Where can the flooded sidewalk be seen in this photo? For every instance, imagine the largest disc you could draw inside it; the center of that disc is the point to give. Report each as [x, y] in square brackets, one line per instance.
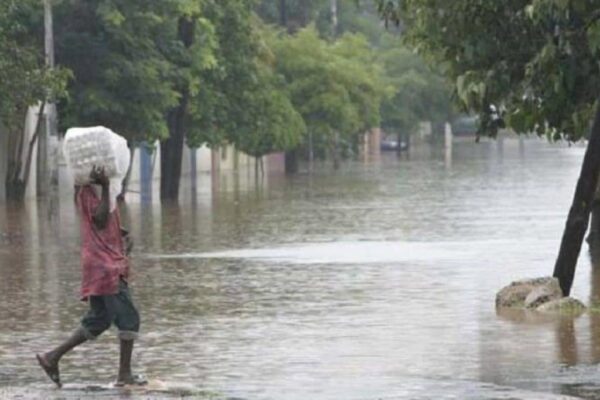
[447, 391]
[373, 282]
[154, 391]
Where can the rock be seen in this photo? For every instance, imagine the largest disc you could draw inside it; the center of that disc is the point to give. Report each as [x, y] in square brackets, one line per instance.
[515, 294]
[562, 305]
[543, 294]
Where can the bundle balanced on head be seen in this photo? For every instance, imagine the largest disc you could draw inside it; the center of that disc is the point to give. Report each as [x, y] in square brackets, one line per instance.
[98, 159]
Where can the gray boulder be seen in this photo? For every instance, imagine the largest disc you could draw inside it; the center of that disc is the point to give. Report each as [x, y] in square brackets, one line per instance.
[516, 294]
[543, 294]
[566, 305]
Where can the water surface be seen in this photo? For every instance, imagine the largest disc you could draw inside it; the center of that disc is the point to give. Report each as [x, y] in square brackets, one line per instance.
[373, 282]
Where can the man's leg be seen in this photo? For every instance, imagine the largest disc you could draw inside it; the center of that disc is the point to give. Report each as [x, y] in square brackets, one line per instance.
[125, 376]
[93, 324]
[49, 361]
[127, 320]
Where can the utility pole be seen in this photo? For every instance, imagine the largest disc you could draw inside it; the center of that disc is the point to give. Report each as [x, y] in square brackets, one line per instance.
[47, 168]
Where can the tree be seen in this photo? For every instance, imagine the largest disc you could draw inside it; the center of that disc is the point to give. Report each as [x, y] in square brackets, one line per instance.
[271, 123]
[529, 64]
[296, 14]
[274, 126]
[24, 82]
[219, 109]
[136, 66]
[414, 91]
[292, 15]
[185, 51]
[534, 61]
[332, 85]
[120, 75]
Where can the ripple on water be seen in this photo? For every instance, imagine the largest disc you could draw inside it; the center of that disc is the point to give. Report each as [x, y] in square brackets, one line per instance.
[374, 282]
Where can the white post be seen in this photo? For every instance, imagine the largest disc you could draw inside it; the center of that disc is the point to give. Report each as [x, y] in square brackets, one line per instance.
[51, 115]
[448, 145]
[334, 18]
[48, 178]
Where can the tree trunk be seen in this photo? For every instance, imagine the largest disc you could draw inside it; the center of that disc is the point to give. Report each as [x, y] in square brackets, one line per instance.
[335, 151]
[283, 13]
[171, 152]
[171, 149]
[578, 219]
[262, 167]
[291, 161]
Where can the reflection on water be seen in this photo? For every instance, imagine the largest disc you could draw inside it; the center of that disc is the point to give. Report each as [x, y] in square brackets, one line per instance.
[376, 281]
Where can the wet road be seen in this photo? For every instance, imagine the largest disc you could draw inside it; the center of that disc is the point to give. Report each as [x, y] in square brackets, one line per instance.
[373, 282]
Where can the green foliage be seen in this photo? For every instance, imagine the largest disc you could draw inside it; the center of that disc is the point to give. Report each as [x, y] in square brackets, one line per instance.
[135, 62]
[334, 86]
[24, 82]
[298, 13]
[536, 61]
[273, 124]
[126, 62]
[242, 101]
[218, 109]
[24, 79]
[414, 91]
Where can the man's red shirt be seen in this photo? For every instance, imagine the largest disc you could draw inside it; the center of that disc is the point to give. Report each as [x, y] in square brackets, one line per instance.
[103, 259]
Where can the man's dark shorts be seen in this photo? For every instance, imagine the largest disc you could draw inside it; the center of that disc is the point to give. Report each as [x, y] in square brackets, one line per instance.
[106, 310]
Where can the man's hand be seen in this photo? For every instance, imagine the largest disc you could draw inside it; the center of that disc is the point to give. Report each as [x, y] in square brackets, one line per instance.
[98, 176]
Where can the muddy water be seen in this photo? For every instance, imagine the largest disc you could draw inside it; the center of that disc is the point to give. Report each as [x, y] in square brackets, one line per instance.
[374, 282]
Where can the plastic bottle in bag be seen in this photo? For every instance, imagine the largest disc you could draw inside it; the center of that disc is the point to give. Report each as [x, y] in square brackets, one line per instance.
[97, 146]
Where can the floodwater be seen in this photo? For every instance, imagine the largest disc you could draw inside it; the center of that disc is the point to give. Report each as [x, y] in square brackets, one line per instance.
[373, 282]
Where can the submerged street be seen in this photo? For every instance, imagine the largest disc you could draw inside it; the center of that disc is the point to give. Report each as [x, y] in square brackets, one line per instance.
[373, 282]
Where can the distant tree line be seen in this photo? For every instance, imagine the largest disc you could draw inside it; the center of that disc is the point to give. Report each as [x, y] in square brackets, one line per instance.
[265, 76]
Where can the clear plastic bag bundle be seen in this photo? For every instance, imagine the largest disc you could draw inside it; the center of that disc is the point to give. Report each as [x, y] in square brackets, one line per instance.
[97, 146]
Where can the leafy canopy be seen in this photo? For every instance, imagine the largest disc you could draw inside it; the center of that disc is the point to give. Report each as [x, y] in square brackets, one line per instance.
[535, 61]
[24, 78]
[127, 62]
[335, 86]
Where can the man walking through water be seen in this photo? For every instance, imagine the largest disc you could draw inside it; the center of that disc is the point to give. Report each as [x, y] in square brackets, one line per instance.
[105, 269]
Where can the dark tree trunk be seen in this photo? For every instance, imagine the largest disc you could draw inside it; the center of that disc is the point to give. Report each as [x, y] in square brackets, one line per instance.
[335, 152]
[578, 219]
[400, 139]
[171, 152]
[171, 149]
[291, 161]
[282, 13]
[291, 156]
